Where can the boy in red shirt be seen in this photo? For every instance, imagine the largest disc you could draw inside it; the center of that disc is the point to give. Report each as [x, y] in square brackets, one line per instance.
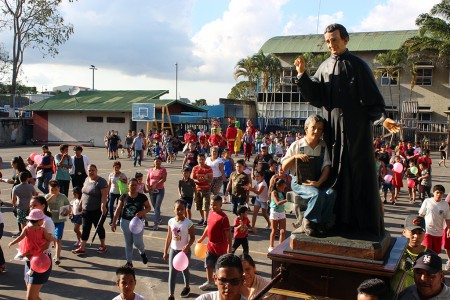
[218, 232]
[202, 175]
[241, 226]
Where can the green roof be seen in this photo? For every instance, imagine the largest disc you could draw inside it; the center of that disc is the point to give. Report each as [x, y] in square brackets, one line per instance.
[99, 101]
[359, 41]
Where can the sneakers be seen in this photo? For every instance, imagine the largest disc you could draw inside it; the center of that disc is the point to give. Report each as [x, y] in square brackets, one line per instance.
[102, 249]
[200, 223]
[447, 266]
[155, 227]
[77, 244]
[270, 249]
[144, 258]
[129, 265]
[207, 286]
[185, 292]
[19, 257]
[79, 251]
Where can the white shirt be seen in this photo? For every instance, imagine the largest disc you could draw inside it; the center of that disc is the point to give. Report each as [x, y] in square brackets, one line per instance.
[50, 227]
[136, 297]
[435, 215]
[215, 166]
[294, 149]
[262, 198]
[180, 233]
[75, 205]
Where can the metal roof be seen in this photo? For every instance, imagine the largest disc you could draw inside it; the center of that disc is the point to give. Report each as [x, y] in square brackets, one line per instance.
[359, 41]
[105, 101]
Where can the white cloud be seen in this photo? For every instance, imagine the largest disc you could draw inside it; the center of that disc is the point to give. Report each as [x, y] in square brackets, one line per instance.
[394, 15]
[298, 25]
[240, 32]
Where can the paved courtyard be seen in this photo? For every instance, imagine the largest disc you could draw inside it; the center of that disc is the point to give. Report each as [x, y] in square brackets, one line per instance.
[92, 276]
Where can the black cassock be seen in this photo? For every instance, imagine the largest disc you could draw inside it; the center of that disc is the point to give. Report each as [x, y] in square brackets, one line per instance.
[345, 88]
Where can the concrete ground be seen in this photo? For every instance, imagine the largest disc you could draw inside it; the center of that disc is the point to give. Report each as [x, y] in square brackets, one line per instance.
[92, 276]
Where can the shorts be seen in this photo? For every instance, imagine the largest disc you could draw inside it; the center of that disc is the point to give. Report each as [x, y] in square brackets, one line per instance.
[277, 215]
[21, 215]
[445, 240]
[113, 148]
[443, 155]
[37, 278]
[388, 186]
[202, 200]
[433, 242]
[211, 260]
[77, 219]
[262, 204]
[59, 230]
[188, 201]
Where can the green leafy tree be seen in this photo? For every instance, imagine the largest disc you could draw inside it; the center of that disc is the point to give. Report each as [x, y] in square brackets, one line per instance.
[389, 64]
[36, 24]
[313, 61]
[246, 67]
[244, 90]
[200, 102]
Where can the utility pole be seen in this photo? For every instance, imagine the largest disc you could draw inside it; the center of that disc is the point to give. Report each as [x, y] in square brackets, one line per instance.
[93, 68]
[176, 81]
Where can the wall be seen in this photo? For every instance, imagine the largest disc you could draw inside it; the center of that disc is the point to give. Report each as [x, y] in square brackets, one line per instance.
[73, 126]
[12, 132]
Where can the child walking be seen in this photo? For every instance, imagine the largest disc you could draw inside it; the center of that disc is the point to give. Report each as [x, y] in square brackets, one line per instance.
[437, 214]
[142, 189]
[411, 181]
[397, 181]
[180, 237]
[126, 281]
[241, 226]
[186, 188]
[424, 180]
[387, 184]
[33, 236]
[262, 195]
[277, 213]
[75, 214]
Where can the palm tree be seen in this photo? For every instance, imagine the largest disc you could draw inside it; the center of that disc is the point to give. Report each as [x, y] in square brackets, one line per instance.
[390, 64]
[434, 33]
[246, 67]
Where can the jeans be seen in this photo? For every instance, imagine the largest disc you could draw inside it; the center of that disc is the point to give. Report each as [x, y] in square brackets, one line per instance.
[64, 187]
[156, 199]
[237, 202]
[130, 239]
[173, 272]
[2, 257]
[320, 202]
[112, 200]
[43, 182]
[136, 154]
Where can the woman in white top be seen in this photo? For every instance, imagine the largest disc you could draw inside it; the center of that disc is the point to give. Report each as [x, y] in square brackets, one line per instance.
[216, 164]
[114, 191]
[36, 280]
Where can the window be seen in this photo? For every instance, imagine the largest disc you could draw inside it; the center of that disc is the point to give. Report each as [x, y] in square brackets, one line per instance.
[424, 74]
[115, 120]
[385, 80]
[425, 116]
[95, 119]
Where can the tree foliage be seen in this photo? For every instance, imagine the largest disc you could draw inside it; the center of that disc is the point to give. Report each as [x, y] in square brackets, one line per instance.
[200, 102]
[34, 24]
[433, 40]
[244, 90]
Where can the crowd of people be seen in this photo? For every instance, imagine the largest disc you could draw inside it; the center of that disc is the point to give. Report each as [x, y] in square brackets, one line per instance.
[212, 173]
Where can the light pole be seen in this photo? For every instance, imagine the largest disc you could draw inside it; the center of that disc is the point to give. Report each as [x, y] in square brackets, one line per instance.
[93, 68]
[176, 81]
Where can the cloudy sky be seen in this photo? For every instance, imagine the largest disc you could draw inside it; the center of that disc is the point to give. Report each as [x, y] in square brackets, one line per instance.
[135, 44]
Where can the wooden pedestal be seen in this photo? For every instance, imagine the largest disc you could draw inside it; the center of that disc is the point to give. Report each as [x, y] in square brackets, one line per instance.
[311, 276]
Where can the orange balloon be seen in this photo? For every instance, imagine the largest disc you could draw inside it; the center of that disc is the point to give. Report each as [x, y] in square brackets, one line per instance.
[200, 250]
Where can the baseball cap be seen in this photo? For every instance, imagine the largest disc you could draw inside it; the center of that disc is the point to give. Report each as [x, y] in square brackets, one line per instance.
[263, 145]
[35, 214]
[428, 261]
[44, 147]
[414, 222]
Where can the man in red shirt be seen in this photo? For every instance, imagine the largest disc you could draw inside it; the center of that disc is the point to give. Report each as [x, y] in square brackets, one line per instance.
[202, 175]
[218, 232]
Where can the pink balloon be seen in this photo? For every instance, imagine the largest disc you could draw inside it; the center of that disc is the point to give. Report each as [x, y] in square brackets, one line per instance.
[33, 155]
[40, 263]
[398, 167]
[180, 261]
[388, 178]
[38, 159]
[411, 183]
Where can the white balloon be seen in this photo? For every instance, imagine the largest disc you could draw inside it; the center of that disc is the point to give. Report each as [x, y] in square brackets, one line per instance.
[136, 225]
